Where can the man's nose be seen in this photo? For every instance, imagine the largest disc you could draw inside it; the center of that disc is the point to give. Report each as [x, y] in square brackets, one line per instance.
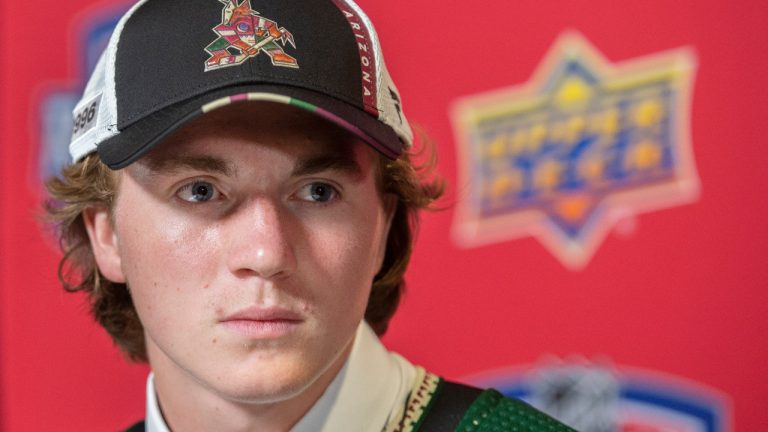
[260, 240]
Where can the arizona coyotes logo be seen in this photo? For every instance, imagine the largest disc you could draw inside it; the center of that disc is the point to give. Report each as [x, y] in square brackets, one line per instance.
[244, 34]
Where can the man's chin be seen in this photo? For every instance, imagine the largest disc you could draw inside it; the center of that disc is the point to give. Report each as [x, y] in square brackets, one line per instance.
[255, 387]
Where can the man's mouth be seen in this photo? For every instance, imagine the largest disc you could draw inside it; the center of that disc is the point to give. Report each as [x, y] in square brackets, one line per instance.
[259, 322]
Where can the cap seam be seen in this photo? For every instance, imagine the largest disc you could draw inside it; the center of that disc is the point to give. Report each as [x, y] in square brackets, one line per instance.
[175, 97]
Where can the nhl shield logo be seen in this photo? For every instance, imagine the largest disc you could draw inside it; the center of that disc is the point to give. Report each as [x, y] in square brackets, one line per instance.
[243, 34]
[584, 145]
[603, 397]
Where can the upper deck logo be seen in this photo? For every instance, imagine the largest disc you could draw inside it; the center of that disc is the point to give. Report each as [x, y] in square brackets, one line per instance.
[585, 144]
[243, 34]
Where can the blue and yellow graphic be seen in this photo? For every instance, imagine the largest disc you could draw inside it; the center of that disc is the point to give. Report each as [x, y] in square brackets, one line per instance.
[584, 145]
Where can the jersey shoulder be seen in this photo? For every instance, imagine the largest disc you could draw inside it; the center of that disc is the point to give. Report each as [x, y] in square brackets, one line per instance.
[493, 412]
[438, 405]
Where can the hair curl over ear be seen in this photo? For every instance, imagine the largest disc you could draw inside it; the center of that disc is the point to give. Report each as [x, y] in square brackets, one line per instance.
[86, 184]
[415, 188]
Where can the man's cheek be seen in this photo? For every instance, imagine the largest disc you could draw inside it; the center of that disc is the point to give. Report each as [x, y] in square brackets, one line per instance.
[166, 239]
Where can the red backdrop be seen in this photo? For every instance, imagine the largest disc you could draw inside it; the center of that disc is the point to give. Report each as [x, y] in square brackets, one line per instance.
[683, 294]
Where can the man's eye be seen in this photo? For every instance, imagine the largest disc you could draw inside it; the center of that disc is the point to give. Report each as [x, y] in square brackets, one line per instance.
[318, 192]
[199, 191]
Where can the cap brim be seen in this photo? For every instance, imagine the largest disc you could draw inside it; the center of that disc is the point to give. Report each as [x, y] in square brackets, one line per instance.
[136, 139]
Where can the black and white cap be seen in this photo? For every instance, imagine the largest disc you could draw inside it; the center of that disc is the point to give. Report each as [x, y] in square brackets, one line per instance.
[169, 61]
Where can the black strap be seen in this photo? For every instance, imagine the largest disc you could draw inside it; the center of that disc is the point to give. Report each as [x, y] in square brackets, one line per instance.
[452, 400]
[138, 427]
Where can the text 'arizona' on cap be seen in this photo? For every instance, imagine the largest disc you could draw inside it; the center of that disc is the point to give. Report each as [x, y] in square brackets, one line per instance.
[169, 61]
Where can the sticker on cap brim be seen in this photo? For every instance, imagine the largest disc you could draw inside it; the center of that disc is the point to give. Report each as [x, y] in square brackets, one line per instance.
[86, 117]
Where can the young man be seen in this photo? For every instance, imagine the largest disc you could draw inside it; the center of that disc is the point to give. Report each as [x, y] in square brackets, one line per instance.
[239, 208]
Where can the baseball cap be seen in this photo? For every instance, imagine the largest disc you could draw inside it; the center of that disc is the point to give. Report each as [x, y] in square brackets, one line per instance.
[169, 61]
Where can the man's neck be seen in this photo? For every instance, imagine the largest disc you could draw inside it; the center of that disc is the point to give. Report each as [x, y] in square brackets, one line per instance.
[187, 405]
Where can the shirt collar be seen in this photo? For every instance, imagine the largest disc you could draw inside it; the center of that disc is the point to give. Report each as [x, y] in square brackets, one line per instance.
[371, 387]
[154, 421]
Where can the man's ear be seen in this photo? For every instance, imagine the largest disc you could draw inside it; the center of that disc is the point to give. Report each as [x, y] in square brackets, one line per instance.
[104, 243]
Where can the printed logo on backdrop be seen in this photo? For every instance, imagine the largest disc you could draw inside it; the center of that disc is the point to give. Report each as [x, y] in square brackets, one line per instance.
[583, 146]
[592, 397]
[59, 98]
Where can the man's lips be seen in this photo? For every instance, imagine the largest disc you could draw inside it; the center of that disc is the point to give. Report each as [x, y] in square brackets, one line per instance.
[262, 322]
[260, 313]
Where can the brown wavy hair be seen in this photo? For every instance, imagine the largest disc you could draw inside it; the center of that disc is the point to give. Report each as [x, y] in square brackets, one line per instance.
[90, 183]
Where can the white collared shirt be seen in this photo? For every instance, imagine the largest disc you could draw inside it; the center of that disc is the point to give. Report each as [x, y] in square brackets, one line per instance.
[369, 391]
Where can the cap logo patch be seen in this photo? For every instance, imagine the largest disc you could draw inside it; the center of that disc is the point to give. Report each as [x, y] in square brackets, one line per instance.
[243, 34]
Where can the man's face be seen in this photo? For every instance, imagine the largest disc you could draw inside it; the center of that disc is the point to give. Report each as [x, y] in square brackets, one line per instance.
[249, 241]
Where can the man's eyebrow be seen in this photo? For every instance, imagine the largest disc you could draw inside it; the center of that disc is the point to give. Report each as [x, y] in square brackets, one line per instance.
[194, 162]
[344, 163]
